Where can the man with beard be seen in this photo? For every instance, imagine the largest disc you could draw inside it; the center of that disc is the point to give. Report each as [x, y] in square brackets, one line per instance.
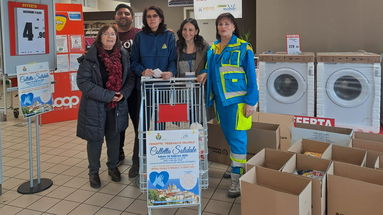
[124, 19]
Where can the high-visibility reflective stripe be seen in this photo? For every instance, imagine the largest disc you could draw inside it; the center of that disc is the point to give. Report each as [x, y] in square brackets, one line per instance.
[237, 160]
[227, 70]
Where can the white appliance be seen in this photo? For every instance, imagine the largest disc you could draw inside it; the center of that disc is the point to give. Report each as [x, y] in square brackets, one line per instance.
[348, 89]
[286, 84]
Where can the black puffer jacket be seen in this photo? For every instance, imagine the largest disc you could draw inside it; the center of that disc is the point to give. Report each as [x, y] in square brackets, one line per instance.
[92, 112]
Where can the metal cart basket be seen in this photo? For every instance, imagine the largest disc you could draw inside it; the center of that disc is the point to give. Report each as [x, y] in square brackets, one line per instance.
[176, 92]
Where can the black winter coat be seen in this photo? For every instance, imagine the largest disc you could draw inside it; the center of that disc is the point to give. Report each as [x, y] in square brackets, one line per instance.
[92, 112]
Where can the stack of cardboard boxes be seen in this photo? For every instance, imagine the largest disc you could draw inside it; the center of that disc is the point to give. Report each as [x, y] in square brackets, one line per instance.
[352, 164]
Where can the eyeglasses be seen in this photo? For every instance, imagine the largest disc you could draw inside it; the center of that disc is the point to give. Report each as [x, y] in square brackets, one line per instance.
[109, 34]
[123, 13]
[152, 16]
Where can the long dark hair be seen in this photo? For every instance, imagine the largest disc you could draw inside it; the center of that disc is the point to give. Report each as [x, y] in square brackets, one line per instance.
[232, 19]
[161, 27]
[198, 39]
[102, 30]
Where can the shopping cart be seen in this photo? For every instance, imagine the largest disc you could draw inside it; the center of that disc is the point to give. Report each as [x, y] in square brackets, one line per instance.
[169, 105]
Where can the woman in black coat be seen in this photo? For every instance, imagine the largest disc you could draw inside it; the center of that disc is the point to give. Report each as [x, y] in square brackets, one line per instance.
[105, 80]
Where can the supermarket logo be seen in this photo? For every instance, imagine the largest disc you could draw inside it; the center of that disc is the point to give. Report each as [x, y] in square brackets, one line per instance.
[66, 101]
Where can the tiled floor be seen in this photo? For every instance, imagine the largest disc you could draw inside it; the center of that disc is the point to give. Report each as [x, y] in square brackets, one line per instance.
[64, 160]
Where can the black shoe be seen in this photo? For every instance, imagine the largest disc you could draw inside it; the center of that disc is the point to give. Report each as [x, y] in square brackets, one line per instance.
[94, 181]
[133, 171]
[227, 174]
[115, 174]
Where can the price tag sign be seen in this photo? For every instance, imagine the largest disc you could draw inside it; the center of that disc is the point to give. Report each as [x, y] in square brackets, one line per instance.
[30, 31]
[28, 28]
[293, 44]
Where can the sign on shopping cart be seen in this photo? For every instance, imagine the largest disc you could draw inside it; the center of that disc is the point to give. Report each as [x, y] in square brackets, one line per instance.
[173, 168]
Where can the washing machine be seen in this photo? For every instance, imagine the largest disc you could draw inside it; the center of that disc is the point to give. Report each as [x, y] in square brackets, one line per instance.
[348, 89]
[286, 83]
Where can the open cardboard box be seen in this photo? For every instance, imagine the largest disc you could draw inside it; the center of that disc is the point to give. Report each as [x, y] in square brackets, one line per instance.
[305, 145]
[348, 155]
[354, 190]
[373, 143]
[260, 136]
[269, 158]
[302, 162]
[271, 192]
[286, 122]
[334, 135]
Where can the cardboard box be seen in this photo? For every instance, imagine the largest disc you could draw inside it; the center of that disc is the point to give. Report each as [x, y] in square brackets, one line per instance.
[266, 191]
[285, 122]
[269, 158]
[260, 136]
[348, 155]
[302, 162]
[373, 143]
[306, 145]
[379, 163]
[354, 190]
[334, 135]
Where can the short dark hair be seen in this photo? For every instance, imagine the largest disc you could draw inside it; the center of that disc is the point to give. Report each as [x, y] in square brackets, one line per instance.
[124, 6]
[198, 39]
[161, 27]
[102, 30]
[232, 19]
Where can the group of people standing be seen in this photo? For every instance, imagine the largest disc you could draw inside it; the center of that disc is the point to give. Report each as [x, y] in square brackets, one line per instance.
[109, 78]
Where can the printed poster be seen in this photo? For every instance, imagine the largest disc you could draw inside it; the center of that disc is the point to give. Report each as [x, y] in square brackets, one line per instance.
[61, 43]
[173, 168]
[211, 9]
[35, 90]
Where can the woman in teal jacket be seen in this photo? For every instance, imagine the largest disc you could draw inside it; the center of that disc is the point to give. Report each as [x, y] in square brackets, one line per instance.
[232, 87]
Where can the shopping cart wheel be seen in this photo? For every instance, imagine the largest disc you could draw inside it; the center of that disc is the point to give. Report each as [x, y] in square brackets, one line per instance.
[16, 113]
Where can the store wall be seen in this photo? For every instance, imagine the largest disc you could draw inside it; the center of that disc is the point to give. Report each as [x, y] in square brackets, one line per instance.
[325, 25]
[175, 15]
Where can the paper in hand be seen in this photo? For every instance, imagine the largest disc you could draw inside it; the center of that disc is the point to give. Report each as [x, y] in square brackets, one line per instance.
[157, 73]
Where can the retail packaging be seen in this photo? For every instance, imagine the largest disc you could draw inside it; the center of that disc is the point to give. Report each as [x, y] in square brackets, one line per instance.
[373, 143]
[354, 190]
[267, 191]
[302, 162]
[305, 145]
[269, 158]
[260, 136]
[334, 135]
[348, 155]
[286, 122]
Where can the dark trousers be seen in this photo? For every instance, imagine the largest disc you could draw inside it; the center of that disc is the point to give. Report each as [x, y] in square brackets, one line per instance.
[112, 138]
[134, 101]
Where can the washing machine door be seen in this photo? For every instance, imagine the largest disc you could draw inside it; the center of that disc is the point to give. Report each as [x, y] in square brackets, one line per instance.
[286, 85]
[347, 88]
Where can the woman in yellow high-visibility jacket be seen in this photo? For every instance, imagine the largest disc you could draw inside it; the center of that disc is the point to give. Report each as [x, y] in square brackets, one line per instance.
[232, 87]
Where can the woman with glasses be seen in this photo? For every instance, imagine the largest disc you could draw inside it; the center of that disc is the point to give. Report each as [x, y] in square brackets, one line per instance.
[105, 80]
[154, 47]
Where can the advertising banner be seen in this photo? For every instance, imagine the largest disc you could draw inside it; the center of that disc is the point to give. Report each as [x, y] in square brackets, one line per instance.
[35, 90]
[70, 45]
[211, 9]
[173, 168]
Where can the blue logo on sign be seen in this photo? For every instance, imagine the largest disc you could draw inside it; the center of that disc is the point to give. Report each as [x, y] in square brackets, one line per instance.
[230, 7]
